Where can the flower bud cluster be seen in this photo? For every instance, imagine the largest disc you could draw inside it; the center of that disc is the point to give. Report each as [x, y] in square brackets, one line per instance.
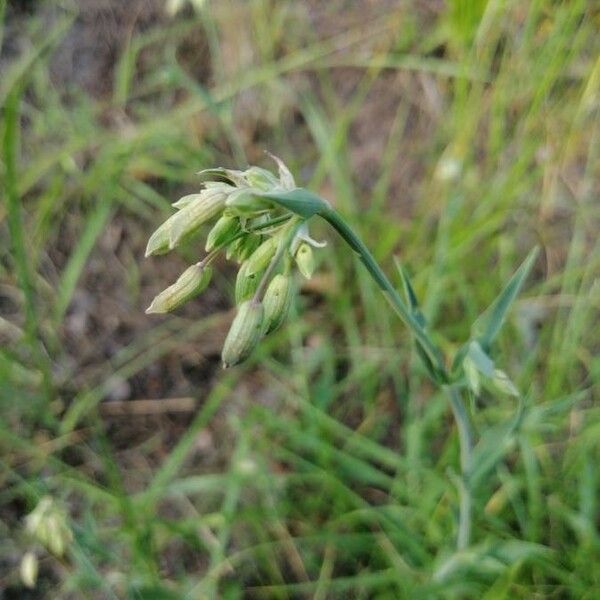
[250, 227]
[48, 525]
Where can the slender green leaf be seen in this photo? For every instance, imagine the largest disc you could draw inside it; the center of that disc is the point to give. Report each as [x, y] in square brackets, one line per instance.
[486, 327]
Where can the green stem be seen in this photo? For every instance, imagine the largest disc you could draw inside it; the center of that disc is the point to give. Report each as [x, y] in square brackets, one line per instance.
[389, 291]
[465, 438]
[433, 361]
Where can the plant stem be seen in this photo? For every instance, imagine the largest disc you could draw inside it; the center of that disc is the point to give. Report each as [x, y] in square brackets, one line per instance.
[465, 438]
[433, 355]
[389, 291]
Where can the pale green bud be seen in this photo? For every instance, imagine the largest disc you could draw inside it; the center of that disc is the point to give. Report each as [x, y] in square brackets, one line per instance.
[187, 221]
[276, 302]
[47, 523]
[225, 228]
[159, 240]
[472, 375]
[262, 256]
[246, 283]
[502, 383]
[244, 247]
[190, 283]
[29, 569]
[305, 260]
[57, 536]
[244, 334]
[186, 200]
[244, 200]
[261, 178]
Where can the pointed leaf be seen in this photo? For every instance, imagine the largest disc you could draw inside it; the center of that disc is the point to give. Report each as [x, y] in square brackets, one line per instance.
[482, 362]
[409, 294]
[486, 327]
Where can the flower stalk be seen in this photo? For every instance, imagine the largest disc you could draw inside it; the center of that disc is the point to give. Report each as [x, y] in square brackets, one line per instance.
[263, 220]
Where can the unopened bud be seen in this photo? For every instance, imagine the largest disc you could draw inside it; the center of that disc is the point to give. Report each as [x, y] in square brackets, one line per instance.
[225, 228]
[187, 221]
[186, 200]
[245, 246]
[29, 569]
[503, 384]
[190, 283]
[159, 240]
[47, 523]
[262, 256]
[305, 260]
[244, 334]
[245, 200]
[246, 283]
[277, 302]
[261, 178]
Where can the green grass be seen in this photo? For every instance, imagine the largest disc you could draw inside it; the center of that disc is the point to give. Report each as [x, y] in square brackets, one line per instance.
[331, 462]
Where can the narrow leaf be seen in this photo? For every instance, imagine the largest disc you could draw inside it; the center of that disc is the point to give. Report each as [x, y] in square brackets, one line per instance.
[486, 327]
[409, 294]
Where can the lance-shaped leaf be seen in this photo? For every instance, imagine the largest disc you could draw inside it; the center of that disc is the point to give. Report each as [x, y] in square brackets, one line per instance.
[486, 327]
[299, 201]
[409, 294]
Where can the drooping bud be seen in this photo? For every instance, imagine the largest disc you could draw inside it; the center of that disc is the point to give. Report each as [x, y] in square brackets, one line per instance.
[244, 334]
[245, 246]
[262, 256]
[159, 240]
[245, 200]
[29, 569]
[502, 383]
[190, 283]
[204, 208]
[225, 228]
[186, 200]
[277, 302]
[261, 178]
[305, 260]
[47, 523]
[246, 283]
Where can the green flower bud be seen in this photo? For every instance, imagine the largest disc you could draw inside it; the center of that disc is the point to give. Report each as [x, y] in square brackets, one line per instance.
[245, 200]
[186, 200]
[187, 221]
[47, 523]
[244, 334]
[502, 383]
[261, 178]
[225, 228]
[262, 256]
[190, 283]
[246, 283]
[159, 240]
[246, 246]
[285, 176]
[305, 260]
[29, 569]
[277, 300]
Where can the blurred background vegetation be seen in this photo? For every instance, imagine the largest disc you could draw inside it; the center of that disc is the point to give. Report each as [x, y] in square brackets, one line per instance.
[455, 135]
